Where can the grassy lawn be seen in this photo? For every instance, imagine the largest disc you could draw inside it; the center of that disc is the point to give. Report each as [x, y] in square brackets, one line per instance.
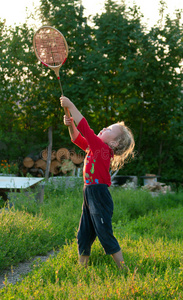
[149, 231]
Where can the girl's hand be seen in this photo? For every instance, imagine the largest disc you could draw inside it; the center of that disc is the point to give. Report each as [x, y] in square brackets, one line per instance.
[65, 102]
[68, 120]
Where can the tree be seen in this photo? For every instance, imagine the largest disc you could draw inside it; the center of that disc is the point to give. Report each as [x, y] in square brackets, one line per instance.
[115, 70]
[20, 118]
[162, 100]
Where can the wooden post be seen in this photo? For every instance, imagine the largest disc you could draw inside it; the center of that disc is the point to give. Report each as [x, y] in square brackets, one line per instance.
[47, 164]
[49, 153]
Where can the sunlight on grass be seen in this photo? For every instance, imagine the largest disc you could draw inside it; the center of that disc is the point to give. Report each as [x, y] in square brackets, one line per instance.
[149, 231]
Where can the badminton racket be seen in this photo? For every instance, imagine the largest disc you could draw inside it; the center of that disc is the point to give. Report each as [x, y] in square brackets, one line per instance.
[51, 49]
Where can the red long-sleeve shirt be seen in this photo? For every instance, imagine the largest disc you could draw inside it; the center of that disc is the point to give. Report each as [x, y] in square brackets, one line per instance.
[98, 155]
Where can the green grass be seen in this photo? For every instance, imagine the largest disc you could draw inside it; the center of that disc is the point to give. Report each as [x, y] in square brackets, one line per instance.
[166, 224]
[148, 229]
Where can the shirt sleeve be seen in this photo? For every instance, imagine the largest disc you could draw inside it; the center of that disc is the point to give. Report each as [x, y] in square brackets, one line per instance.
[81, 142]
[92, 139]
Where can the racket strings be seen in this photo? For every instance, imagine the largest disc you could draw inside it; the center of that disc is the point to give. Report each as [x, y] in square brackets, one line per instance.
[50, 47]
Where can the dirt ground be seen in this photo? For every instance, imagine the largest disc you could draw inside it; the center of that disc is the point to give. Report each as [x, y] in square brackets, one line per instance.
[16, 273]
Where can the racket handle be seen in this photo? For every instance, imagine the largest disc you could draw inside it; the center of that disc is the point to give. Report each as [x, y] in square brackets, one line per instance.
[67, 112]
[71, 129]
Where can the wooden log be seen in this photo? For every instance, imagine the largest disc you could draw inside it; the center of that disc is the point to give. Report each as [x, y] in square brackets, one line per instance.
[44, 154]
[55, 167]
[48, 163]
[62, 154]
[76, 158]
[28, 162]
[40, 163]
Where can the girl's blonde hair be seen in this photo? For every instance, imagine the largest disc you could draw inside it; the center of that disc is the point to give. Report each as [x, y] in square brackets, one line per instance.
[124, 149]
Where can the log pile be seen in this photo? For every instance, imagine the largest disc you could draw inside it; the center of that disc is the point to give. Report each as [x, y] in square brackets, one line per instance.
[63, 161]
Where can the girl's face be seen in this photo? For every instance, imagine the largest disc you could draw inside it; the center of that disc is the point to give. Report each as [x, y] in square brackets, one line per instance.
[109, 135]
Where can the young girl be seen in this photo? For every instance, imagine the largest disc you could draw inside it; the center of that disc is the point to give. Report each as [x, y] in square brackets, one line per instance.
[108, 149]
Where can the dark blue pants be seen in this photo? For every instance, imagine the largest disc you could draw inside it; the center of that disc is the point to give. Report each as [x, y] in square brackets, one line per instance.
[96, 220]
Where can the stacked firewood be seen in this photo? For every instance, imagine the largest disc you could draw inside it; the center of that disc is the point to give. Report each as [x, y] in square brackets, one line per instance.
[63, 162]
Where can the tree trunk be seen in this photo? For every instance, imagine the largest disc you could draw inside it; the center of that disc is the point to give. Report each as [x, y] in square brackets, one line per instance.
[160, 154]
[48, 163]
[49, 152]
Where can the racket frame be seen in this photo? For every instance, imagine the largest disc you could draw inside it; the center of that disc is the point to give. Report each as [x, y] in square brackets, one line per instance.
[54, 68]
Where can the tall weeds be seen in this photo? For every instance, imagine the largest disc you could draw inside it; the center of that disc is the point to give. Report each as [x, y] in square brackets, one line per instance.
[149, 230]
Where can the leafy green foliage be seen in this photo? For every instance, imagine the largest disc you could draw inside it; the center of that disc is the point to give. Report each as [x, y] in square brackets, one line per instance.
[115, 70]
